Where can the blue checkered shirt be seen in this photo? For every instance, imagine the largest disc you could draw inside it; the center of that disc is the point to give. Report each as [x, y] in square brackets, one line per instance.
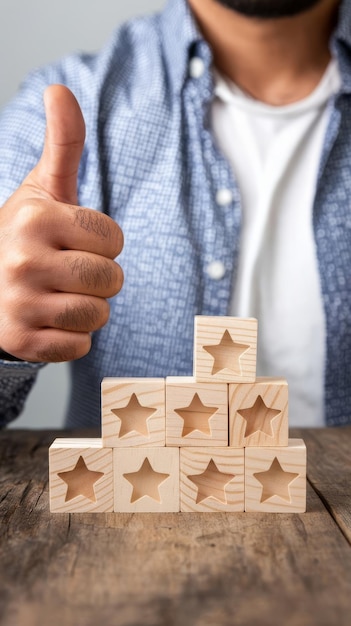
[150, 162]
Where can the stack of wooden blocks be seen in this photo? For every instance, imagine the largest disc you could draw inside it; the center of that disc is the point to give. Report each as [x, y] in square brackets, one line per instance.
[217, 441]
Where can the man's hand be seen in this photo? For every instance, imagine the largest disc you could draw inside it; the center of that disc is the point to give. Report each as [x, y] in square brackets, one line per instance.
[56, 258]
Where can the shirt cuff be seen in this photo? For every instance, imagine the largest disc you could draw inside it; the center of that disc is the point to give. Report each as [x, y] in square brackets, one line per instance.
[16, 381]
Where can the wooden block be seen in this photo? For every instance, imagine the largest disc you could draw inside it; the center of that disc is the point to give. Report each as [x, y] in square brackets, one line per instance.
[196, 413]
[80, 476]
[275, 478]
[133, 412]
[225, 349]
[146, 480]
[211, 479]
[258, 413]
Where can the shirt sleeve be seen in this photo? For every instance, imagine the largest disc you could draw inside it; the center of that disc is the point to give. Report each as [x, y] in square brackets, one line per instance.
[16, 381]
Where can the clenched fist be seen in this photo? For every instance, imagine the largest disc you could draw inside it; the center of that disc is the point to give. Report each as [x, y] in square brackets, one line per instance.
[57, 263]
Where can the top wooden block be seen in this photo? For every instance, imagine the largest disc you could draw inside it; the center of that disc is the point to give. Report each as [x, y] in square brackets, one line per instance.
[225, 349]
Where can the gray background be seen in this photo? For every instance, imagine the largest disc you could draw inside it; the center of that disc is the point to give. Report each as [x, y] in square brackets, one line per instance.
[31, 34]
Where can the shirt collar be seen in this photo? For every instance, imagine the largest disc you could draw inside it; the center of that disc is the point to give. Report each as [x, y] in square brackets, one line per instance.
[181, 40]
[341, 44]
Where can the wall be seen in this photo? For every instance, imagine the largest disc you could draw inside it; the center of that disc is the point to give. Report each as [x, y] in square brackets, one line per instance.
[33, 33]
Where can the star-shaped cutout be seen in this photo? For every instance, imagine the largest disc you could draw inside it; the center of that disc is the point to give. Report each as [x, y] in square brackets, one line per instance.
[196, 416]
[227, 354]
[259, 417]
[134, 417]
[211, 483]
[80, 481]
[275, 481]
[146, 482]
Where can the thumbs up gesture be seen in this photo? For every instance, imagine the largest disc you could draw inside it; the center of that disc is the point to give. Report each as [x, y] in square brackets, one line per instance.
[57, 263]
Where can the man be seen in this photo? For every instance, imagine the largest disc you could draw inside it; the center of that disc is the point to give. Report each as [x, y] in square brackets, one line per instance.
[218, 143]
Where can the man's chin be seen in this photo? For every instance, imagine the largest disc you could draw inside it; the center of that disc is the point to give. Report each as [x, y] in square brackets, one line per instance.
[269, 9]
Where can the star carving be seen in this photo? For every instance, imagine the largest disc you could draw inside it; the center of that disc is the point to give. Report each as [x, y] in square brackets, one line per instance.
[227, 354]
[146, 482]
[134, 417]
[80, 481]
[259, 417]
[275, 481]
[196, 416]
[211, 483]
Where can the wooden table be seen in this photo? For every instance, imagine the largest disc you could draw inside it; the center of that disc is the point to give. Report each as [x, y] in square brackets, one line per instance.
[174, 569]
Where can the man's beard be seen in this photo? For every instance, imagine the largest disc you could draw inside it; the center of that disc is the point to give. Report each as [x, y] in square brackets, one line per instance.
[268, 9]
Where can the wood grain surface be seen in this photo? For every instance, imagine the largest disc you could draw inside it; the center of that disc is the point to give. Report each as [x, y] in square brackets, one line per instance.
[174, 569]
[258, 413]
[133, 412]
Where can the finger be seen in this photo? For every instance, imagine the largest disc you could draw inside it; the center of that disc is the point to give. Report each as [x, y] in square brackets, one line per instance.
[84, 273]
[49, 345]
[70, 312]
[66, 226]
[80, 314]
[57, 346]
[57, 171]
[91, 231]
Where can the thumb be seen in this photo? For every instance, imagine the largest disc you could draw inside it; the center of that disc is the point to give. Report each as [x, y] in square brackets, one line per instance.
[57, 171]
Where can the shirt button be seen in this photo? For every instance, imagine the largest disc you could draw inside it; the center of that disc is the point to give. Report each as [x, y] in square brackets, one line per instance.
[196, 67]
[215, 270]
[224, 197]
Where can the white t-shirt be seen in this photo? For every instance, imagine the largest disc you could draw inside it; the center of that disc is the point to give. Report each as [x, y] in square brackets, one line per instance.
[275, 154]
